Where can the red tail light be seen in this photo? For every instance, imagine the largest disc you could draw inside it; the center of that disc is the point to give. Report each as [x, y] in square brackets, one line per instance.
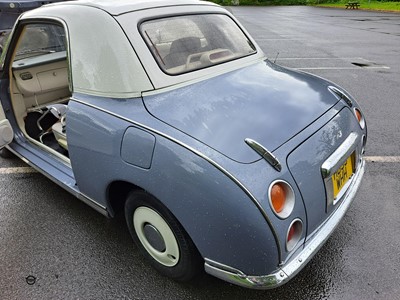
[294, 234]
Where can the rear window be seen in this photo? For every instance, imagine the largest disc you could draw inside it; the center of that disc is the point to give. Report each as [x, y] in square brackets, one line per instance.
[185, 43]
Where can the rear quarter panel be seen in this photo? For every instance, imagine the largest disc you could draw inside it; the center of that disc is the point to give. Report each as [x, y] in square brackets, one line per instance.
[220, 218]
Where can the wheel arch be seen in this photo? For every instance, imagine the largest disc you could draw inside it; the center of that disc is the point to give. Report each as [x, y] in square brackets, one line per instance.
[117, 194]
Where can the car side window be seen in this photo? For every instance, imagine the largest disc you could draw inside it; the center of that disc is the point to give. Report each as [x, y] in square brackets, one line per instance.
[39, 39]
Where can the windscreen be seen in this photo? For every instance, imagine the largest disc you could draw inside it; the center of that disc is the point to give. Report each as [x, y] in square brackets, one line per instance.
[185, 43]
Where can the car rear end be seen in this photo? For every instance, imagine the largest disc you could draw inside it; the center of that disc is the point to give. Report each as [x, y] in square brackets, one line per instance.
[325, 165]
[327, 168]
[309, 126]
[322, 169]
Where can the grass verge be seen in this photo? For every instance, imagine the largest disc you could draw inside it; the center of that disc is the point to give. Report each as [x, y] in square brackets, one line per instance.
[364, 4]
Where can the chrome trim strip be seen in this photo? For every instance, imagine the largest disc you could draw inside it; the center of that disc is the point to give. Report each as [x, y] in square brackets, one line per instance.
[288, 271]
[198, 153]
[88, 201]
[340, 95]
[93, 204]
[339, 156]
[264, 153]
[213, 264]
[62, 158]
[364, 143]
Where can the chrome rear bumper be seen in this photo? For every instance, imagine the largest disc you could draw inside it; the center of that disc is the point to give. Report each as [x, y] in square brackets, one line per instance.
[289, 270]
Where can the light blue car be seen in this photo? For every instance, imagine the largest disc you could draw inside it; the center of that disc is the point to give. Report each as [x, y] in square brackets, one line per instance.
[169, 111]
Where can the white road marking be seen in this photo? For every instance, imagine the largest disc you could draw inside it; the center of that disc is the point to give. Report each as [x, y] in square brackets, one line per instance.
[281, 39]
[393, 159]
[379, 159]
[322, 58]
[343, 68]
[355, 59]
[17, 170]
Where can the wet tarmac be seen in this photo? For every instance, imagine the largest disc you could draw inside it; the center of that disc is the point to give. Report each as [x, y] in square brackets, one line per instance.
[52, 246]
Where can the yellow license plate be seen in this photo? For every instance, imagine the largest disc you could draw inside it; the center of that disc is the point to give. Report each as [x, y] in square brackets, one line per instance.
[342, 175]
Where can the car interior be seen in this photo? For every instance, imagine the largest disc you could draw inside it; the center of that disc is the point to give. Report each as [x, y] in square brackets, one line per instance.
[39, 86]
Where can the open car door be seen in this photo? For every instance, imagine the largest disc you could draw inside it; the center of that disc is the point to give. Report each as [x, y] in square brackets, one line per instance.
[6, 131]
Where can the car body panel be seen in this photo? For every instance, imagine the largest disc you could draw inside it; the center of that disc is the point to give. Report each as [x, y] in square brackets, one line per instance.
[94, 141]
[306, 160]
[258, 185]
[254, 97]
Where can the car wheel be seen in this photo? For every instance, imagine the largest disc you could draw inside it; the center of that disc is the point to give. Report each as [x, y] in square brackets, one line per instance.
[5, 153]
[161, 238]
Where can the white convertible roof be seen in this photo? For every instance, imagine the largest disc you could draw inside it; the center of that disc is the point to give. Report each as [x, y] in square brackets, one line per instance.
[118, 7]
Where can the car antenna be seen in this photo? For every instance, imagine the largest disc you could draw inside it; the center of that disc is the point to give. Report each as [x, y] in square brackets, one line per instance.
[276, 57]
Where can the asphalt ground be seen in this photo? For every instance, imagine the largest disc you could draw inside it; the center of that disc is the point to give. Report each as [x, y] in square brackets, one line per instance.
[52, 246]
